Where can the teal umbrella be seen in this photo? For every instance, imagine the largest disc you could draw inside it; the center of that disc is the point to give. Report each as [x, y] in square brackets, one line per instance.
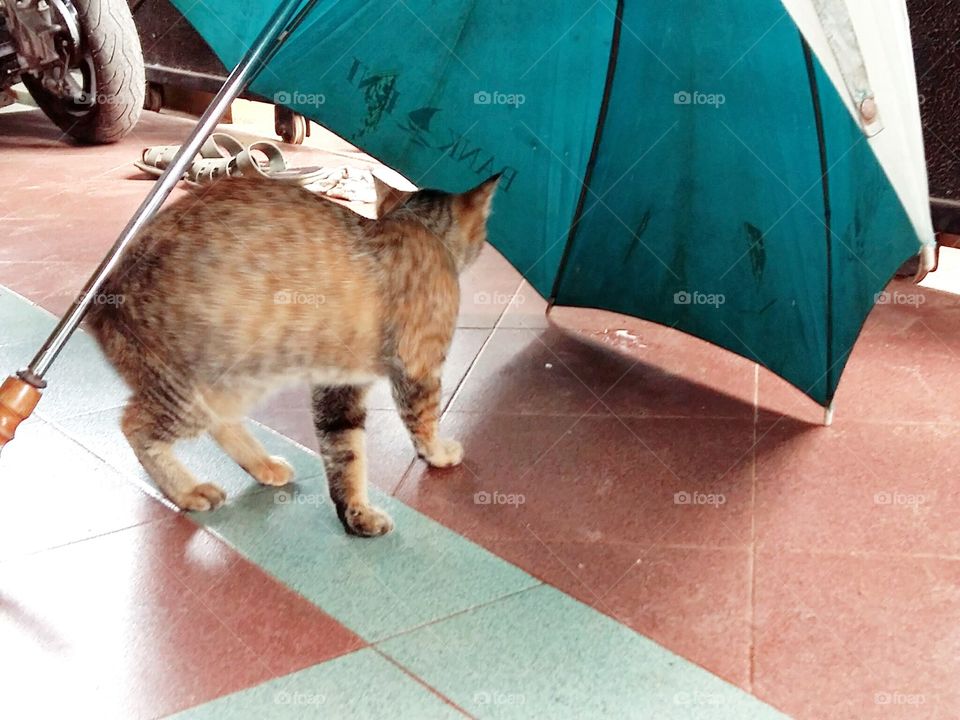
[749, 171]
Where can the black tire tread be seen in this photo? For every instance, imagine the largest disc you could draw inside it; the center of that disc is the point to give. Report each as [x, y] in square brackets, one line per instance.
[111, 36]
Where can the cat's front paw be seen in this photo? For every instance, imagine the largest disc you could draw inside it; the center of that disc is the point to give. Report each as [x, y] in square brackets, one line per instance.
[205, 496]
[272, 470]
[443, 453]
[366, 521]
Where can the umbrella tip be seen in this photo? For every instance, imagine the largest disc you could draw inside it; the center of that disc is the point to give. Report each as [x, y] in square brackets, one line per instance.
[927, 261]
[828, 415]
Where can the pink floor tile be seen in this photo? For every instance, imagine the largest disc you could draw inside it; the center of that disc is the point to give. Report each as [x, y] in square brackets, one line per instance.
[527, 372]
[527, 309]
[839, 636]
[593, 479]
[656, 372]
[146, 621]
[487, 288]
[858, 487]
[53, 492]
[675, 374]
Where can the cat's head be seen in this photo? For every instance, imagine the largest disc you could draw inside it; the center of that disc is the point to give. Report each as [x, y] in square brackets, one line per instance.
[471, 210]
[459, 221]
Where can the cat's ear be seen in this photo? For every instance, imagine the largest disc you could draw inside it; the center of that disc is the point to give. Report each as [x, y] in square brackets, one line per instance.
[480, 198]
[388, 197]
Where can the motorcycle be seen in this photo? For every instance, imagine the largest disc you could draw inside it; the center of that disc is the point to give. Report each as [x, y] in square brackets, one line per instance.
[80, 60]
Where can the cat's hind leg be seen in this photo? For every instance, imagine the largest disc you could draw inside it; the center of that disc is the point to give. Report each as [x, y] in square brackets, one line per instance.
[339, 416]
[226, 409]
[249, 454]
[152, 425]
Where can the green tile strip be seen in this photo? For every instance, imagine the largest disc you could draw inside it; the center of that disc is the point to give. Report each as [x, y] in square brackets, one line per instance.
[418, 574]
[359, 685]
[484, 633]
[543, 654]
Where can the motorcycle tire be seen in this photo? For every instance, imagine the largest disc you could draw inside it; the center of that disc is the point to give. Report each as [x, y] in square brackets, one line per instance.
[115, 60]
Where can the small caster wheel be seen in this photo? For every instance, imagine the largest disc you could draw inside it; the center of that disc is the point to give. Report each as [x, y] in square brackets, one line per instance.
[153, 98]
[292, 127]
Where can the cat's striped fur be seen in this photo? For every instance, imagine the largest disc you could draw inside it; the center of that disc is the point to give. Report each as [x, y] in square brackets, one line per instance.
[250, 284]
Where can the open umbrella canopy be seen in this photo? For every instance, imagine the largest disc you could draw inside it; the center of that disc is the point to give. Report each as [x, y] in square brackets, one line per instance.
[748, 171]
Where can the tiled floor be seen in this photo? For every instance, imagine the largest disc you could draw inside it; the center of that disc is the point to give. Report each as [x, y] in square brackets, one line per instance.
[555, 574]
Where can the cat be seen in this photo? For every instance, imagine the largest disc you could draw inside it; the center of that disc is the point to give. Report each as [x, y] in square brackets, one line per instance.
[249, 284]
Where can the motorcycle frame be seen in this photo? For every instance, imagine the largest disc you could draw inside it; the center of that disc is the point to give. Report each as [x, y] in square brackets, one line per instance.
[32, 29]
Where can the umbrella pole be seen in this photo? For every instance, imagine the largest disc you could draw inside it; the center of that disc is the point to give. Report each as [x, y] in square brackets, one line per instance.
[20, 393]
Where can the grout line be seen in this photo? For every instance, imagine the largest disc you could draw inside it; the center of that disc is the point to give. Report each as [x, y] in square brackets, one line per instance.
[420, 681]
[149, 490]
[422, 626]
[77, 541]
[42, 415]
[403, 478]
[473, 363]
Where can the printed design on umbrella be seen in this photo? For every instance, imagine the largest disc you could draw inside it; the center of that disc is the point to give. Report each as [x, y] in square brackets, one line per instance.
[381, 94]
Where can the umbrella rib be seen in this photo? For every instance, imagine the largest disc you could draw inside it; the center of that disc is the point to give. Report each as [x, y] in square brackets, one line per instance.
[827, 215]
[594, 150]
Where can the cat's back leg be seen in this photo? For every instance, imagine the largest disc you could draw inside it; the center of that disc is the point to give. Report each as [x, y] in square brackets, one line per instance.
[227, 408]
[153, 421]
[339, 416]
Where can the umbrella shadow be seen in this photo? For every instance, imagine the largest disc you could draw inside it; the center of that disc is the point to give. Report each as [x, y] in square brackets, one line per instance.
[626, 467]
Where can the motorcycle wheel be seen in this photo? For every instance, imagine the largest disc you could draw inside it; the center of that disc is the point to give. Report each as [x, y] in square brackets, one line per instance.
[109, 72]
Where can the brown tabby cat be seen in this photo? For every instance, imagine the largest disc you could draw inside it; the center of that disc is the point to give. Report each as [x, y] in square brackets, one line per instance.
[251, 284]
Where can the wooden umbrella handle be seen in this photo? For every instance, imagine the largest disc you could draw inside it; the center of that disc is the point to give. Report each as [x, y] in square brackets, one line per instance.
[18, 398]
